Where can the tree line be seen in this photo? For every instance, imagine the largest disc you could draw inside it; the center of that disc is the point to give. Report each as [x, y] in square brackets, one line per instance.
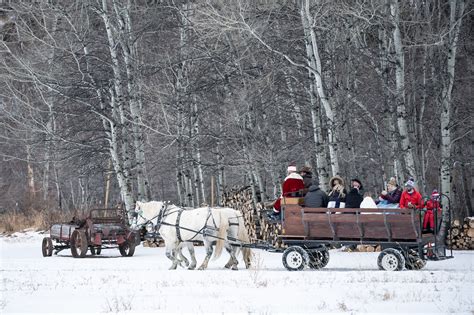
[107, 101]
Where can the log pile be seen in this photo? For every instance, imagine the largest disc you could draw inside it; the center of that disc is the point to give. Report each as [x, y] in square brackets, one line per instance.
[256, 221]
[368, 248]
[461, 234]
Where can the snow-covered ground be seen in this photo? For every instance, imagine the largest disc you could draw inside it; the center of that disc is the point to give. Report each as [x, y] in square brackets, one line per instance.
[351, 283]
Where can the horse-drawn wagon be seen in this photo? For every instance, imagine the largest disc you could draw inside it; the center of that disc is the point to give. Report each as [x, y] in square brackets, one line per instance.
[310, 232]
[102, 229]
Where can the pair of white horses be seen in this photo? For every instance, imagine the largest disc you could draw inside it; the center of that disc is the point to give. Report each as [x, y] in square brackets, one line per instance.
[178, 227]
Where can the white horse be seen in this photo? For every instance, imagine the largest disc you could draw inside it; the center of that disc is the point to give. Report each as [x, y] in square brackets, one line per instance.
[147, 213]
[179, 227]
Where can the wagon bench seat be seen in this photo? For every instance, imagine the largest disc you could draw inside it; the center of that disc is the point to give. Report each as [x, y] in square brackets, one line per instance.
[381, 224]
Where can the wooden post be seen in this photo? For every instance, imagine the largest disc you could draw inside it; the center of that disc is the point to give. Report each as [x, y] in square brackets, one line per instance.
[107, 184]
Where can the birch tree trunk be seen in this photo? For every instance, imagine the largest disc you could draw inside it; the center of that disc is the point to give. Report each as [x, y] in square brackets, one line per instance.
[131, 58]
[315, 60]
[456, 15]
[405, 146]
[123, 163]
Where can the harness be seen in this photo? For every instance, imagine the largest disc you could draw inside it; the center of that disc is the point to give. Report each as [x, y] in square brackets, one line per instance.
[206, 230]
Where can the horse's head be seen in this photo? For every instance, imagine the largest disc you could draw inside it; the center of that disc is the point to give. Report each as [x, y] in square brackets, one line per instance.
[145, 212]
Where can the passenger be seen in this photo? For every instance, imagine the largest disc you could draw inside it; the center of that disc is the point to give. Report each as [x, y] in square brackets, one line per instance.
[432, 204]
[293, 186]
[354, 197]
[410, 197]
[315, 197]
[391, 196]
[368, 202]
[307, 175]
[337, 193]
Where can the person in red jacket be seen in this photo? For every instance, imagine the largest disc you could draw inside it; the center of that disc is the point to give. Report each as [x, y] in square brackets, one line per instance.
[410, 197]
[431, 205]
[293, 186]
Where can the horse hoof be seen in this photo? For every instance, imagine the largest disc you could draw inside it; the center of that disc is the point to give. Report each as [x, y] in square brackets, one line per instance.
[234, 268]
[227, 266]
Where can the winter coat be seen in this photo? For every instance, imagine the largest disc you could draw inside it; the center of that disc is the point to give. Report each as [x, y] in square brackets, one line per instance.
[316, 198]
[368, 203]
[393, 196]
[415, 198]
[293, 185]
[353, 199]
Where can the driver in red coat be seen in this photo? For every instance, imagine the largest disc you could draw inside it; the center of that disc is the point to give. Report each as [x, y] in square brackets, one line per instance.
[293, 185]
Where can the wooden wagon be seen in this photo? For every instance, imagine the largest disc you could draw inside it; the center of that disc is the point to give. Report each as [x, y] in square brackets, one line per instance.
[310, 232]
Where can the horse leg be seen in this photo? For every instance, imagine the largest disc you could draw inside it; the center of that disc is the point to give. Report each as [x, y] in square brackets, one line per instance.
[183, 261]
[171, 254]
[193, 256]
[233, 262]
[209, 250]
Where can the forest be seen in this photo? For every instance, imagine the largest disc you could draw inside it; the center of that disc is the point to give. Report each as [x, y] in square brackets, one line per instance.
[104, 102]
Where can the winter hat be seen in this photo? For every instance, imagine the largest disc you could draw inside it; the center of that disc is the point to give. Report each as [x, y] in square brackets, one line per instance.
[410, 183]
[435, 193]
[357, 181]
[393, 181]
[291, 168]
[305, 169]
[331, 181]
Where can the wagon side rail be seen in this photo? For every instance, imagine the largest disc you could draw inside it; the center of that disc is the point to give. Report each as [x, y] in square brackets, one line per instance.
[382, 224]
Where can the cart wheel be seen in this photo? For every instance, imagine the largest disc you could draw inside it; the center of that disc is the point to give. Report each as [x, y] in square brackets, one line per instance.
[47, 247]
[318, 259]
[391, 259]
[295, 258]
[95, 250]
[127, 248]
[79, 244]
[413, 261]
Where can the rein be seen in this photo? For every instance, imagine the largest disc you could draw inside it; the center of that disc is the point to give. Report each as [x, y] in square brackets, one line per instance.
[162, 214]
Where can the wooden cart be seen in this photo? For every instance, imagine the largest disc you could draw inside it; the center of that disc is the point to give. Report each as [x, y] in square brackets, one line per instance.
[102, 229]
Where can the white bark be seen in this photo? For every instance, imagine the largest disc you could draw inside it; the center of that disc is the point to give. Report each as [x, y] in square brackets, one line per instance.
[130, 57]
[406, 148]
[316, 68]
[456, 14]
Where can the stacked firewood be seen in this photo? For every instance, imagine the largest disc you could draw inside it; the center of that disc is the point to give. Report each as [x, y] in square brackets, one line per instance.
[461, 234]
[256, 221]
[368, 248]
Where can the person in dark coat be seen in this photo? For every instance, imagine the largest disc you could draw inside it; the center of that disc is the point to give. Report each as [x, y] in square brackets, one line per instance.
[355, 195]
[392, 195]
[337, 193]
[315, 198]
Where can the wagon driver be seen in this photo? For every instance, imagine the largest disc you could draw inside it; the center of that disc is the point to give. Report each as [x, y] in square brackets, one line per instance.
[293, 186]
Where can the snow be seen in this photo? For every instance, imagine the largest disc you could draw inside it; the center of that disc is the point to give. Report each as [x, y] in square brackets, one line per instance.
[350, 283]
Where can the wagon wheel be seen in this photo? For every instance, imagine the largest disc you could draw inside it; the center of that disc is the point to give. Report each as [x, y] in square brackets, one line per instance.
[413, 260]
[47, 247]
[295, 258]
[79, 244]
[318, 259]
[391, 259]
[127, 248]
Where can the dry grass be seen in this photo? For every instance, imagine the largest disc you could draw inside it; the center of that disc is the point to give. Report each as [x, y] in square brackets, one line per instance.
[33, 219]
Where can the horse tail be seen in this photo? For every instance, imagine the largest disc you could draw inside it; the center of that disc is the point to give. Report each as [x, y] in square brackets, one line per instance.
[221, 234]
[243, 236]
